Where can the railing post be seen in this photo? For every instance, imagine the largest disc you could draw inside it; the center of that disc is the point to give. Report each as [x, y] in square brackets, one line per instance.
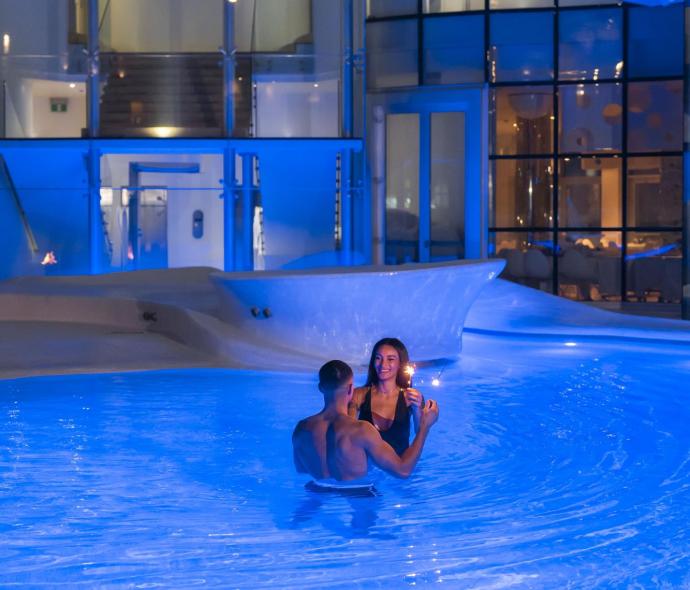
[378, 204]
[93, 86]
[94, 211]
[229, 67]
[346, 123]
[229, 185]
[346, 206]
[247, 211]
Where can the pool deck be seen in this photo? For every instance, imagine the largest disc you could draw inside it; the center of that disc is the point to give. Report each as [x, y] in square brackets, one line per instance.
[164, 319]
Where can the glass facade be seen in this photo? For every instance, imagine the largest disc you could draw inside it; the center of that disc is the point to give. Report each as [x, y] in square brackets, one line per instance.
[585, 135]
[165, 68]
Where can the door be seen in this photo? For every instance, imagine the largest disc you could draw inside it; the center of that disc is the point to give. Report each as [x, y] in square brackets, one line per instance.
[434, 194]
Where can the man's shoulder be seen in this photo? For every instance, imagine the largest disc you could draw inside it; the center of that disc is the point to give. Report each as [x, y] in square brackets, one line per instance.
[356, 429]
[305, 424]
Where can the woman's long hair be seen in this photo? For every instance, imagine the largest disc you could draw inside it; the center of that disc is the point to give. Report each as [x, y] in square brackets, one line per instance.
[402, 379]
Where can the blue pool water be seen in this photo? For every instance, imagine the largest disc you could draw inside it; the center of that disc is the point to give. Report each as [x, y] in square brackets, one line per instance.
[552, 466]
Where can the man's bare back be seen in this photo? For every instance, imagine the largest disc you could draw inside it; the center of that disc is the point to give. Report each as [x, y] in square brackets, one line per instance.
[332, 444]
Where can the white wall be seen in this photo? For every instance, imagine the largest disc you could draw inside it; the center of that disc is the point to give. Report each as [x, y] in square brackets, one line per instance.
[164, 25]
[183, 249]
[45, 123]
[36, 27]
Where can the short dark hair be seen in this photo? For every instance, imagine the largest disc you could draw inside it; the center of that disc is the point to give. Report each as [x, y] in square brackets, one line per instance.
[333, 374]
[401, 379]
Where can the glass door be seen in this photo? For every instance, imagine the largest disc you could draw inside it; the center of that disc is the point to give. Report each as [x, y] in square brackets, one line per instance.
[435, 155]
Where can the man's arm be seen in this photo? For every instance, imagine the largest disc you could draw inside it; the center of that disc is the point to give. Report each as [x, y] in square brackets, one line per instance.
[383, 454]
[299, 465]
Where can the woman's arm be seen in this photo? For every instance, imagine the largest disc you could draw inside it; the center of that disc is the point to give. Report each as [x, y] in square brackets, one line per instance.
[356, 402]
[415, 401]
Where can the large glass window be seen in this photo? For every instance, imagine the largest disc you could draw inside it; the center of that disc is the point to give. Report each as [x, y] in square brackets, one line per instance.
[528, 256]
[655, 116]
[655, 42]
[521, 193]
[392, 51]
[382, 8]
[585, 136]
[655, 191]
[522, 120]
[454, 49]
[654, 266]
[521, 46]
[590, 44]
[432, 6]
[591, 117]
[589, 265]
[590, 192]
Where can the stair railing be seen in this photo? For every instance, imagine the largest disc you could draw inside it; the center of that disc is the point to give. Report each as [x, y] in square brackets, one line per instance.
[5, 171]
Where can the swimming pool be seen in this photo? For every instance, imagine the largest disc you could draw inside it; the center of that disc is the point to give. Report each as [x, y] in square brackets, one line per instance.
[552, 466]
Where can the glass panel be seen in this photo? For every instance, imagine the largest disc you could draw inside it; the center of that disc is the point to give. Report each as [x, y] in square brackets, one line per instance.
[655, 116]
[654, 267]
[447, 186]
[162, 211]
[589, 192]
[279, 27]
[431, 6]
[591, 44]
[295, 95]
[586, 2]
[161, 96]
[522, 120]
[164, 26]
[528, 256]
[51, 187]
[402, 188]
[392, 54]
[522, 46]
[590, 118]
[655, 41]
[655, 192]
[379, 8]
[506, 4]
[44, 96]
[521, 193]
[589, 266]
[454, 49]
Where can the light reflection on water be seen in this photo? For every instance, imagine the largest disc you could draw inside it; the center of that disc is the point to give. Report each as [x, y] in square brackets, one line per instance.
[550, 467]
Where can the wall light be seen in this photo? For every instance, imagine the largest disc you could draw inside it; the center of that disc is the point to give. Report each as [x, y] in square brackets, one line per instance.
[5, 43]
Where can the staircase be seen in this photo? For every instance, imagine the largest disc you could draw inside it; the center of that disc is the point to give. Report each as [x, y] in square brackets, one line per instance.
[162, 96]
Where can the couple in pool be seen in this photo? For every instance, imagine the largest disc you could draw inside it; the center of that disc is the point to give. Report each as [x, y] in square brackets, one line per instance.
[370, 422]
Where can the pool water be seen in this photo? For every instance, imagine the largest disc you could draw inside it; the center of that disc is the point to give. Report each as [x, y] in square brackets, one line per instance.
[553, 465]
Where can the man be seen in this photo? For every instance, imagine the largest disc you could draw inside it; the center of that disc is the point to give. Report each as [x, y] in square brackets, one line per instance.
[333, 445]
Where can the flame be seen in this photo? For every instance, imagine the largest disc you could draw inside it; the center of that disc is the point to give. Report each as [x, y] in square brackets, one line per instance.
[49, 258]
[409, 371]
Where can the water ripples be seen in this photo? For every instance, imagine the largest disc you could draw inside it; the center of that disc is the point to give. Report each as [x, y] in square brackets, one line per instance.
[549, 468]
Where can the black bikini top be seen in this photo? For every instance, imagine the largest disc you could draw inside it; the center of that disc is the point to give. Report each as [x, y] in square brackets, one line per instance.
[398, 435]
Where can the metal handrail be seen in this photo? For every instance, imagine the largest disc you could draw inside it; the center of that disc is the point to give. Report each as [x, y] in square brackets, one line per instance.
[105, 12]
[18, 204]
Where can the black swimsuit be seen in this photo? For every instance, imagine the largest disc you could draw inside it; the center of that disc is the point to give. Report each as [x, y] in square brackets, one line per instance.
[398, 435]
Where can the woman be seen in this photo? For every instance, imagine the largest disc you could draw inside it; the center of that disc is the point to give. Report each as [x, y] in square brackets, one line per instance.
[387, 400]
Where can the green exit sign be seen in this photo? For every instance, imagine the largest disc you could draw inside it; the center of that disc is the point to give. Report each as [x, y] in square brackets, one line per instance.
[58, 105]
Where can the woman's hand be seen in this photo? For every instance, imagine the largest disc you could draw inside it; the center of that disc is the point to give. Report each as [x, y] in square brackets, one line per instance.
[413, 398]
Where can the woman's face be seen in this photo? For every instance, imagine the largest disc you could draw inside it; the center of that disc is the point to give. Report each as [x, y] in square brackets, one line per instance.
[386, 362]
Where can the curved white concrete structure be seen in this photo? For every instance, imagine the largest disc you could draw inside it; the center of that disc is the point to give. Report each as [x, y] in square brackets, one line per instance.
[342, 312]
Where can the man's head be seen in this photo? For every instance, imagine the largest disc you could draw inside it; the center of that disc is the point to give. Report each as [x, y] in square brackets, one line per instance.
[335, 378]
